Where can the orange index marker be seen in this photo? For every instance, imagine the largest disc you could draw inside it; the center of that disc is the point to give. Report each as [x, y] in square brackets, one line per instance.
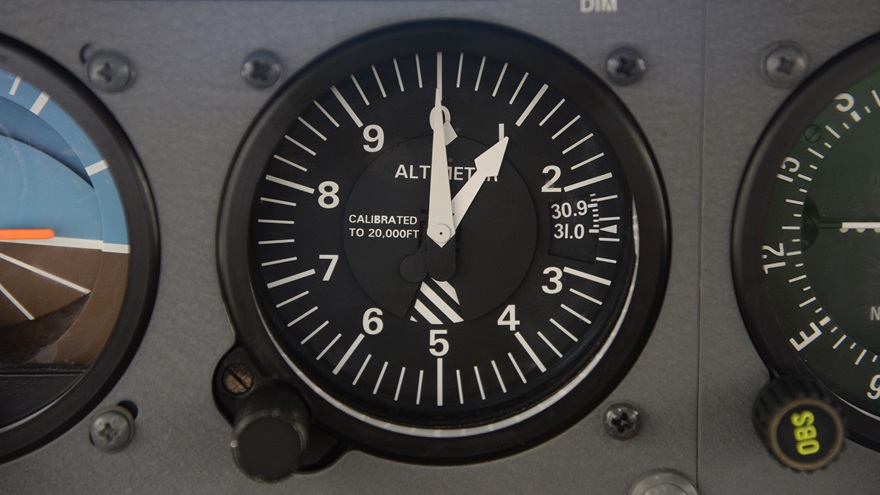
[26, 234]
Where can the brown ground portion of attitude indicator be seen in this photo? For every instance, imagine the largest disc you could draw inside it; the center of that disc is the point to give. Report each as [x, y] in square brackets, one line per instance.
[69, 328]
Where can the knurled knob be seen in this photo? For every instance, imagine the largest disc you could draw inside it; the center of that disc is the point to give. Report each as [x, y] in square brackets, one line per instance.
[799, 423]
[270, 433]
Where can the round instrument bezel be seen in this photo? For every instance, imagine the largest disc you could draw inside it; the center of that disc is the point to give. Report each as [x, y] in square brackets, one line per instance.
[633, 327]
[753, 204]
[131, 183]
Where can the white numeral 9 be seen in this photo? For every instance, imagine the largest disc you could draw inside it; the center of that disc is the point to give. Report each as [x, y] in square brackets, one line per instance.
[375, 135]
[875, 387]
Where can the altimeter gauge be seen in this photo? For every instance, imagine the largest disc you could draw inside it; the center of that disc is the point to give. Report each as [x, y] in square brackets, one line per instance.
[449, 236]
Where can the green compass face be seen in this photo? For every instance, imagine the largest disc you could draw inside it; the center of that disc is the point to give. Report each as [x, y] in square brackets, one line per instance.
[808, 233]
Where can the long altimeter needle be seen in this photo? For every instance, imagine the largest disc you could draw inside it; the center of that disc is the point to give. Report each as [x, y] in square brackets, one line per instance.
[440, 218]
[26, 234]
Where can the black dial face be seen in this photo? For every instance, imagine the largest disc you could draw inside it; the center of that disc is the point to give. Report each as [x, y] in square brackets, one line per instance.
[807, 234]
[442, 240]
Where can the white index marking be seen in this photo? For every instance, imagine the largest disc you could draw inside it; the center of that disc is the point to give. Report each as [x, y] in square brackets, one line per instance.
[276, 241]
[859, 360]
[586, 276]
[530, 351]
[587, 182]
[302, 317]
[500, 77]
[96, 167]
[588, 298]
[332, 342]
[576, 314]
[855, 116]
[379, 380]
[292, 278]
[605, 198]
[360, 90]
[399, 383]
[379, 82]
[563, 330]
[419, 390]
[277, 201]
[40, 103]
[480, 383]
[304, 147]
[397, 71]
[588, 160]
[480, 74]
[315, 332]
[575, 145]
[515, 93]
[292, 185]
[288, 162]
[460, 391]
[311, 128]
[294, 298]
[833, 132]
[566, 126]
[361, 371]
[516, 366]
[14, 88]
[439, 381]
[348, 353]
[816, 153]
[531, 106]
[807, 302]
[326, 114]
[458, 79]
[278, 262]
[498, 375]
[550, 345]
[419, 70]
[544, 120]
[347, 107]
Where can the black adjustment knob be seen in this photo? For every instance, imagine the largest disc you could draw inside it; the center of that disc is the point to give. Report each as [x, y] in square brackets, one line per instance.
[270, 433]
[799, 423]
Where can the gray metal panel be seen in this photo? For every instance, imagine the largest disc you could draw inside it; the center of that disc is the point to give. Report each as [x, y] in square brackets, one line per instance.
[739, 104]
[702, 105]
